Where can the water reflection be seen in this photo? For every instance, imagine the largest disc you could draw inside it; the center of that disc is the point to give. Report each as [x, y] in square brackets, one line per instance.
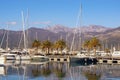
[92, 76]
[28, 70]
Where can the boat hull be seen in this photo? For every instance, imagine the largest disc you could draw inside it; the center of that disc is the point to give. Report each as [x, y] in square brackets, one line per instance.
[40, 58]
[19, 57]
[83, 60]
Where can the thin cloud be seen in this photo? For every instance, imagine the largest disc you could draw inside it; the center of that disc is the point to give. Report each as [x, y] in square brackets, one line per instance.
[12, 23]
[45, 23]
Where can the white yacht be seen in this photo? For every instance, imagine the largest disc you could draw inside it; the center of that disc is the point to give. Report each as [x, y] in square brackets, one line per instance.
[2, 60]
[8, 56]
[39, 57]
[116, 54]
[23, 56]
[78, 57]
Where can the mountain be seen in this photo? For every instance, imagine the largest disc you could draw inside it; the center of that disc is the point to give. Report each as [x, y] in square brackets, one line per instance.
[15, 38]
[112, 36]
[59, 28]
[94, 28]
[53, 33]
[90, 28]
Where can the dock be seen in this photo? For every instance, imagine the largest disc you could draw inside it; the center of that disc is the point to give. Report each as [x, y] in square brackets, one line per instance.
[95, 60]
[59, 58]
[76, 59]
[109, 60]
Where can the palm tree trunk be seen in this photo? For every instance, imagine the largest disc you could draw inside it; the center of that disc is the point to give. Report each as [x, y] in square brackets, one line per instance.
[57, 50]
[88, 52]
[61, 51]
[94, 51]
[48, 50]
[37, 50]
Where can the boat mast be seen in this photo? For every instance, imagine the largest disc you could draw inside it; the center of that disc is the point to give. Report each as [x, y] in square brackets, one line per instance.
[7, 38]
[71, 48]
[81, 28]
[36, 35]
[23, 25]
[27, 26]
[3, 39]
[79, 18]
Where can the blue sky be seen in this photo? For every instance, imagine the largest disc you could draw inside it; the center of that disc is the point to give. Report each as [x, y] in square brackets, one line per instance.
[65, 12]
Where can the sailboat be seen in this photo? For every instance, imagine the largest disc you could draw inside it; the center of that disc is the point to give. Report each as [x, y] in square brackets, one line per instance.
[6, 54]
[79, 54]
[24, 53]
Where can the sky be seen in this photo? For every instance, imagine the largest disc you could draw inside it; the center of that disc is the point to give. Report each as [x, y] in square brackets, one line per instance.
[42, 13]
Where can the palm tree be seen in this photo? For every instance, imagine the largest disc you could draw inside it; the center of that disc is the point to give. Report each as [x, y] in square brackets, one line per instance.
[87, 46]
[36, 44]
[94, 43]
[47, 45]
[60, 44]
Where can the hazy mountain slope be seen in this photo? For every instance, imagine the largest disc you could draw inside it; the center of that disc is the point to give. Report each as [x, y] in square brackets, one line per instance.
[90, 28]
[112, 36]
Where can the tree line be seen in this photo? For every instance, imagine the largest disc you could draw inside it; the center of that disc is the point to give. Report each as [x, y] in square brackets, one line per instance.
[92, 44]
[47, 45]
[59, 45]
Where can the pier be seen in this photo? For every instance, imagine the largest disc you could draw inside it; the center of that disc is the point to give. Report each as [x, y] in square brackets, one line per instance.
[109, 60]
[88, 60]
[95, 60]
[59, 58]
[79, 60]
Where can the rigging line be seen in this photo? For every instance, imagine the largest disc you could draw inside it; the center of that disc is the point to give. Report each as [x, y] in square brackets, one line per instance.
[77, 21]
[3, 39]
[7, 38]
[79, 26]
[20, 40]
[81, 31]
[23, 24]
[27, 27]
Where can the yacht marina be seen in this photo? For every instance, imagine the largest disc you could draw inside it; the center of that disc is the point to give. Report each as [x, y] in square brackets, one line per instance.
[80, 57]
[60, 40]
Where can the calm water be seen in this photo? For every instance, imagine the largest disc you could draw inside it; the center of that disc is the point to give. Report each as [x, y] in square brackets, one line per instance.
[58, 71]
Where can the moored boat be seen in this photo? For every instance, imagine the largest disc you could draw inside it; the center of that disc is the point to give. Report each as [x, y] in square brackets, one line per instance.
[8, 56]
[77, 57]
[116, 54]
[39, 57]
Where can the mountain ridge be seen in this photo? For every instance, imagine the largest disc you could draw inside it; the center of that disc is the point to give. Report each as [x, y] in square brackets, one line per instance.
[90, 28]
[101, 32]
